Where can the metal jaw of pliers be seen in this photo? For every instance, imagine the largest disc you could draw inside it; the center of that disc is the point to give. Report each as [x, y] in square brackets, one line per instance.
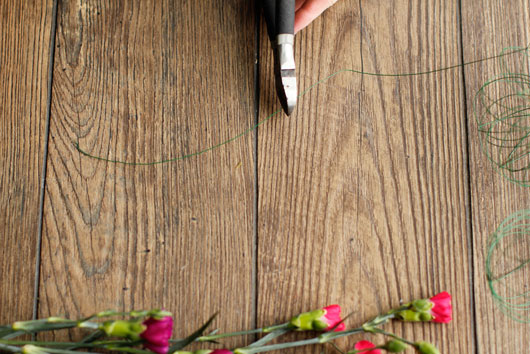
[285, 72]
[279, 15]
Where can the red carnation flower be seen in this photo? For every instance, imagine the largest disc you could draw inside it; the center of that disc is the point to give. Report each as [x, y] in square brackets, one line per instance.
[441, 310]
[221, 351]
[157, 334]
[364, 344]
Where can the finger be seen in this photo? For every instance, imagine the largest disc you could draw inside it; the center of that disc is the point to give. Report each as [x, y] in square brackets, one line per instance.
[310, 10]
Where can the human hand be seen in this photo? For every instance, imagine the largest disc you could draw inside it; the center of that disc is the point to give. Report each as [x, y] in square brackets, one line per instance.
[308, 10]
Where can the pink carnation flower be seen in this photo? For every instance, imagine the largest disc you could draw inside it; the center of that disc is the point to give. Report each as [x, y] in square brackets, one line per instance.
[221, 351]
[441, 310]
[332, 318]
[364, 344]
[157, 334]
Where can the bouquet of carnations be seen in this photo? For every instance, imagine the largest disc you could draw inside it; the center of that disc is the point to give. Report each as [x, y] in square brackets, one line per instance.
[152, 330]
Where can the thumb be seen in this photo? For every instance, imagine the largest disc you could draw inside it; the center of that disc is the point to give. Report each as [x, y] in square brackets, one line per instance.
[308, 11]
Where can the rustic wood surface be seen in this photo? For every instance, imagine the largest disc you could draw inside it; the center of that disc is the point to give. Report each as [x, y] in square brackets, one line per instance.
[497, 26]
[129, 84]
[362, 193]
[25, 31]
[375, 191]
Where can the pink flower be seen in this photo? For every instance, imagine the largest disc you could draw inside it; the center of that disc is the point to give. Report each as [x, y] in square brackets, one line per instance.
[332, 318]
[221, 351]
[364, 344]
[157, 334]
[441, 310]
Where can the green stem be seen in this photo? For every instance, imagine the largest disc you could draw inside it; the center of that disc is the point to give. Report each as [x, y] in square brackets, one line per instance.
[266, 348]
[10, 348]
[382, 319]
[269, 337]
[46, 325]
[395, 336]
[225, 335]
[69, 344]
[323, 338]
[59, 351]
[328, 336]
[242, 333]
[88, 339]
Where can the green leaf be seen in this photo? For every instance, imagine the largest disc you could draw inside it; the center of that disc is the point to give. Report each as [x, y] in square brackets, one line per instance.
[129, 350]
[5, 331]
[12, 334]
[178, 345]
[88, 339]
[272, 335]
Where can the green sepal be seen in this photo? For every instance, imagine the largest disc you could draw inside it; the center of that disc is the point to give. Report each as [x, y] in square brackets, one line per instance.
[368, 327]
[426, 348]
[32, 349]
[309, 321]
[395, 346]
[409, 315]
[123, 329]
[422, 305]
[425, 317]
[201, 351]
[155, 313]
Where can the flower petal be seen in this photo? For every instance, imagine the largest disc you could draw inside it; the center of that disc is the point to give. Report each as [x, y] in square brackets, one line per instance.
[332, 318]
[365, 344]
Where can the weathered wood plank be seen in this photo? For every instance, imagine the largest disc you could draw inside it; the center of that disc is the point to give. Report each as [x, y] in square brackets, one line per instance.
[487, 32]
[25, 28]
[362, 192]
[143, 81]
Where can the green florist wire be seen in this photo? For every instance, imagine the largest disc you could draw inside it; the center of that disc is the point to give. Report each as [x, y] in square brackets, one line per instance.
[252, 128]
[502, 112]
[508, 266]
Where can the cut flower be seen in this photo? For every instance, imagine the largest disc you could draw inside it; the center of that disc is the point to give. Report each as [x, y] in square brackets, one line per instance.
[442, 309]
[436, 309]
[324, 319]
[157, 334]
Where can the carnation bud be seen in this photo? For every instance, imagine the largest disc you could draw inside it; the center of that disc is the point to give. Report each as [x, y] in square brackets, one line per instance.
[426, 348]
[437, 309]
[395, 346]
[31, 349]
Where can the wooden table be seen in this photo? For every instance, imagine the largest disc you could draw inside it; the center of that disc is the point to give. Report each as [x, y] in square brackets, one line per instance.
[374, 191]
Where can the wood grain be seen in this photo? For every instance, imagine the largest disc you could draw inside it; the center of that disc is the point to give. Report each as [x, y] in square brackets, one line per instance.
[142, 81]
[374, 192]
[362, 192]
[487, 32]
[25, 28]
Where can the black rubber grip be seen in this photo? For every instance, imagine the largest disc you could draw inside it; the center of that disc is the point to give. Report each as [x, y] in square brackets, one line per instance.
[269, 11]
[285, 16]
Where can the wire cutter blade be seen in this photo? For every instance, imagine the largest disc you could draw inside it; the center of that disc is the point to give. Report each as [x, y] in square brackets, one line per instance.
[279, 15]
